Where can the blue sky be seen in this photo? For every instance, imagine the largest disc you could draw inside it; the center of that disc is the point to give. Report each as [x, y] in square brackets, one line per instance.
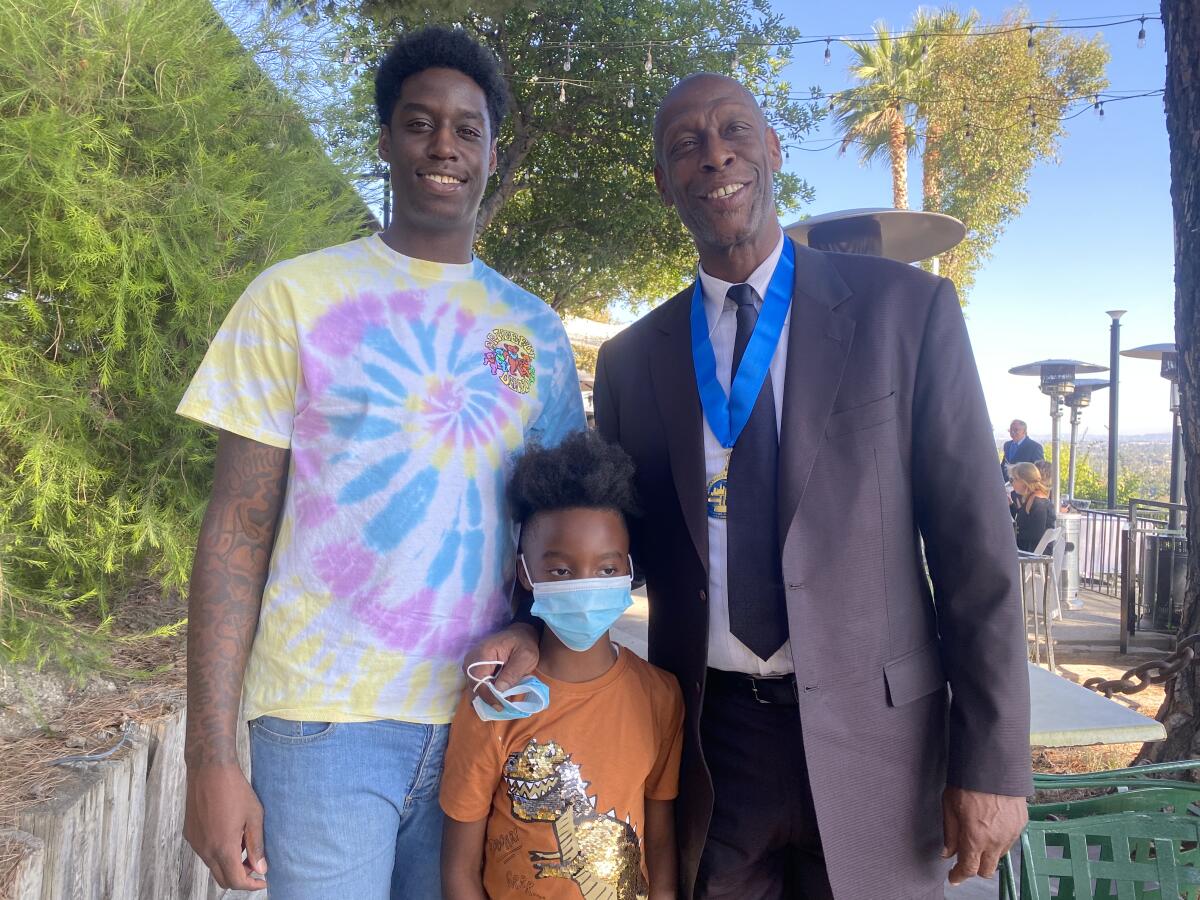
[1096, 234]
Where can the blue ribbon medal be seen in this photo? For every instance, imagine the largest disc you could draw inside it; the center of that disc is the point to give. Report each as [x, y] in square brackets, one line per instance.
[728, 415]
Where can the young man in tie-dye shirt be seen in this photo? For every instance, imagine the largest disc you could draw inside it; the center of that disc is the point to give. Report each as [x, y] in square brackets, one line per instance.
[369, 399]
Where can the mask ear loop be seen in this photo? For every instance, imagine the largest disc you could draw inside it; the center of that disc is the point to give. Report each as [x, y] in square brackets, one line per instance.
[526, 568]
[486, 679]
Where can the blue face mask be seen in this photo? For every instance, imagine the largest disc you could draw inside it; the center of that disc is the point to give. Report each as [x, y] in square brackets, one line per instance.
[580, 610]
[537, 696]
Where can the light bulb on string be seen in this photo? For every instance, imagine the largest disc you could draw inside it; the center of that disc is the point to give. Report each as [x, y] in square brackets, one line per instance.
[629, 102]
[649, 58]
[1100, 110]
[969, 133]
[567, 59]
[1142, 33]
[924, 51]
[828, 55]
[1029, 43]
[562, 92]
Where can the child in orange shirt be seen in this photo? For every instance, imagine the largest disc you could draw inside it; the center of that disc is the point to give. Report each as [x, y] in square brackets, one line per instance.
[573, 800]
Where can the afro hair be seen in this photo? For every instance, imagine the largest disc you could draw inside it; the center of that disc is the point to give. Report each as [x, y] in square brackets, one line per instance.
[584, 471]
[438, 47]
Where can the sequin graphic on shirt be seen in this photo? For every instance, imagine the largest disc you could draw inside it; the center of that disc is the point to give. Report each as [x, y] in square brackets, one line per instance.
[509, 355]
[597, 851]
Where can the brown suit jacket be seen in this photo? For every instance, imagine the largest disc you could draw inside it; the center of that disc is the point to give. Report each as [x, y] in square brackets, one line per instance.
[886, 460]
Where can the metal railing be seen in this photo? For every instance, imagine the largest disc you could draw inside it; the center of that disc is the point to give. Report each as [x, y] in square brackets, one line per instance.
[1100, 537]
[1148, 590]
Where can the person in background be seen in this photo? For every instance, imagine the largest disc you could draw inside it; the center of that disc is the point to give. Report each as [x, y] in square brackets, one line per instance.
[1035, 513]
[1020, 448]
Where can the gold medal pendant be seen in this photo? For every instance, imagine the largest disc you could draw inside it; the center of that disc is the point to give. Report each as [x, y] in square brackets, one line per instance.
[718, 489]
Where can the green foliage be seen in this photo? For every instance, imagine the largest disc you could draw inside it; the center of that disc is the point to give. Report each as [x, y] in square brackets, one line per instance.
[148, 170]
[1091, 484]
[964, 104]
[982, 152]
[573, 214]
[585, 357]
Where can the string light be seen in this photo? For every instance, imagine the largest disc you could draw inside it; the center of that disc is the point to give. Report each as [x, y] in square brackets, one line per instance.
[968, 133]
[1100, 110]
[924, 51]
[828, 55]
[567, 60]
[1029, 43]
[629, 102]
[1142, 33]
[649, 59]
[562, 92]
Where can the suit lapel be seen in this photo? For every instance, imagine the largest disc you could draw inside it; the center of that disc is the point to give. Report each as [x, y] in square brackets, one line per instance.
[818, 345]
[674, 377]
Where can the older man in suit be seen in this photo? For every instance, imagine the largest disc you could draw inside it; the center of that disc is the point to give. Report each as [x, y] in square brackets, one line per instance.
[810, 433]
[1021, 447]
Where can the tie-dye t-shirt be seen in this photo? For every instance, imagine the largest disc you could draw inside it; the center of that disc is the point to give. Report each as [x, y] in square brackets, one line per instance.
[403, 389]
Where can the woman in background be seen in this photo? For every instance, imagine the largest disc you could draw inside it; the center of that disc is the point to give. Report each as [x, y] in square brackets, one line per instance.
[1035, 513]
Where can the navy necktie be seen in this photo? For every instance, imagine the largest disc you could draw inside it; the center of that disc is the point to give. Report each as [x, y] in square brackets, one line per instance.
[754, 569]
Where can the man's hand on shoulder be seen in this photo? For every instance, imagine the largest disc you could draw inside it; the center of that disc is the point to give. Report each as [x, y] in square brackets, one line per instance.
[222, 818]
[979, 829]
[515, 647]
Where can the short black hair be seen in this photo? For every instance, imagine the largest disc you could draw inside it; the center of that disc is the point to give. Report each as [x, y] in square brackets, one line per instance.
[584, 471]
[439, 47]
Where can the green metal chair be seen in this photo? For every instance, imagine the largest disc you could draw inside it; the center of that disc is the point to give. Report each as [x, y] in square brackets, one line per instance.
[1140, 856]
[1145, 839]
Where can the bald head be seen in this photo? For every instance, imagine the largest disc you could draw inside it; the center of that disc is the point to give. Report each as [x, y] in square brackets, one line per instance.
[698, 84]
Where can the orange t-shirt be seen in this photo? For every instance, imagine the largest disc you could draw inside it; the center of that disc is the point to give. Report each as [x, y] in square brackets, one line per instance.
[564, 789]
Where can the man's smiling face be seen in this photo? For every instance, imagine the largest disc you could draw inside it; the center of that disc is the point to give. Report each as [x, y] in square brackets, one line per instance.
[440, 147]
[716, 158]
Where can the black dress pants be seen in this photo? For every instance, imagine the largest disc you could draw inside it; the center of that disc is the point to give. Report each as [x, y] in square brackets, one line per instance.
[763, 842]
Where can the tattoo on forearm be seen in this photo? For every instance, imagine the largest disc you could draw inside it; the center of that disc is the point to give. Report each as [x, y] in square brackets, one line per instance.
[230, 571]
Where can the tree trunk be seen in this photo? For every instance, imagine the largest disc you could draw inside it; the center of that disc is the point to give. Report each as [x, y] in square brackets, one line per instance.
[1181, 23]
[509, 163]
[898, 147]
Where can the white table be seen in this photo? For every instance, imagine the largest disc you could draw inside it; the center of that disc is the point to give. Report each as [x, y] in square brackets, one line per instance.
[1066, 714]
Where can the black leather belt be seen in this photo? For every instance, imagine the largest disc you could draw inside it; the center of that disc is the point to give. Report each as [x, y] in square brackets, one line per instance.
[778, 690]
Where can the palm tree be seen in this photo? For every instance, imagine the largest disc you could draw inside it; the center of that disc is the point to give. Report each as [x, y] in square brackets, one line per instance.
[930, 111]
[879, 114]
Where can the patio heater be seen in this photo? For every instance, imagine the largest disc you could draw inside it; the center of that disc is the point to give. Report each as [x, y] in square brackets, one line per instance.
[1114, 362]
[1077, 400]
[1057, 381]
[905, 235]
[1169, 369]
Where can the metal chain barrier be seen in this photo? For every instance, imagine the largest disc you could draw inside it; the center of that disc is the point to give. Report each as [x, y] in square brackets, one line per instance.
[1158, 671]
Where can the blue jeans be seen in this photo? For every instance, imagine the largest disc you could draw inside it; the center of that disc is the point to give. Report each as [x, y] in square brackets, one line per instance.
[351, 809]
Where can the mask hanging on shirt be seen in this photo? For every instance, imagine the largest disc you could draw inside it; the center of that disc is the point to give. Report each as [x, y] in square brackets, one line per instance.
[579, 611]
[537, 696]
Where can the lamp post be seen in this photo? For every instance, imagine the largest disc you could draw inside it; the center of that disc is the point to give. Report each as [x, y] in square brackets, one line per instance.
[1114, 360]
[1057, 380]
[1169, 369]
[1077, 400]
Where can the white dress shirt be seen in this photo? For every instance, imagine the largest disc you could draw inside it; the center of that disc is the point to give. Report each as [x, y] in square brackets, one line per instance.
[724, 650]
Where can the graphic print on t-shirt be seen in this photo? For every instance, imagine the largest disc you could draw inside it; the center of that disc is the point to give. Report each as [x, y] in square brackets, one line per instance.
[597, 851]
